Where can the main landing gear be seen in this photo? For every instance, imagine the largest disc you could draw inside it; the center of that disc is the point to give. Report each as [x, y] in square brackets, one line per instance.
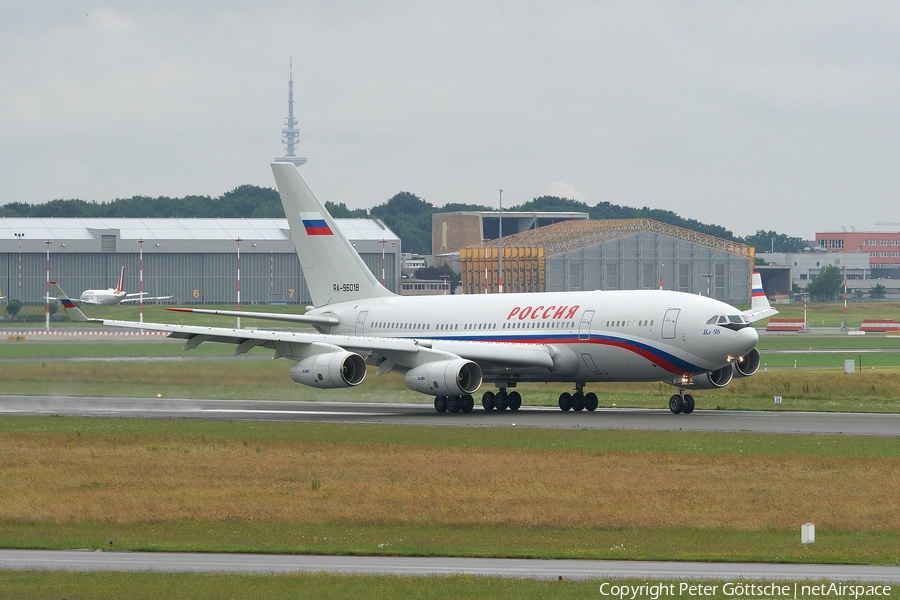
[501, 400]
[579, 400]
[454, 403]
[681, 403]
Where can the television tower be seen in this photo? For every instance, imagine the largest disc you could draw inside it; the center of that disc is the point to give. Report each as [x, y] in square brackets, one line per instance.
[290, 134]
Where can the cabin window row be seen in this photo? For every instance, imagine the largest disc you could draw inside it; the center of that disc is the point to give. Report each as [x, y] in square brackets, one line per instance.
[385, 325]
[629, 323]
[539, 325]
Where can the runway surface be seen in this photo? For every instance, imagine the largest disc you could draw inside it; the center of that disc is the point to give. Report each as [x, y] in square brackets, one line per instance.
[424, 414]
[74, 560]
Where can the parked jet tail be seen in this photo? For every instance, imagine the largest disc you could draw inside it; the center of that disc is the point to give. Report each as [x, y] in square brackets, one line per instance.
[120, 285]
[333, 269]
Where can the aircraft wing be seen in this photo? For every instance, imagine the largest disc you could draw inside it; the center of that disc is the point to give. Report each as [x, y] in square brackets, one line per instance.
[138, 299]
[395, 353]
[310, 319]
[388, 353]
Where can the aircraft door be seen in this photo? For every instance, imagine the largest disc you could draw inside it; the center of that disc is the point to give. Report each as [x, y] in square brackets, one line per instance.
[584, 331]
[668, 328]
[361, 322]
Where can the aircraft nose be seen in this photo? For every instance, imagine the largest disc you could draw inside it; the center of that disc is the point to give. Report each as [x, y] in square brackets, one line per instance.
[747, 338]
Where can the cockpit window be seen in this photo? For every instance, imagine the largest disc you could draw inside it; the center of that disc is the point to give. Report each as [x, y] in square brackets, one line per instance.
[712, 320]
[722, 320]
[735, 319]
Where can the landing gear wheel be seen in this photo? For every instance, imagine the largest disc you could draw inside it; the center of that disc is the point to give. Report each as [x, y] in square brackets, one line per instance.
[468, 403]
[591, 401]
[440, 403]
[454, 404]
[501, 402]
[565, 401]
[487, 401]
[577, 401]
[515, 401]
[688, 404]
[676, 404]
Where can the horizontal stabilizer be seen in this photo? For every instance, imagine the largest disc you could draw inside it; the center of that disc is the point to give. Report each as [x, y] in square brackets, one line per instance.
[71, 309]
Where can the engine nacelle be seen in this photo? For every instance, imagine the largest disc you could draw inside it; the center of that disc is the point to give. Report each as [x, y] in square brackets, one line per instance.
[330, 370]
[747, 365]
[456, 377]
[711, 380]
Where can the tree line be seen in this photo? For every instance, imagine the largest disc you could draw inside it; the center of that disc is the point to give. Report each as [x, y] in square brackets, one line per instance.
[408, 215]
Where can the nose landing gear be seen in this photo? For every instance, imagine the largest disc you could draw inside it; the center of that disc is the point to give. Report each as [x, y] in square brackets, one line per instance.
[681, 403]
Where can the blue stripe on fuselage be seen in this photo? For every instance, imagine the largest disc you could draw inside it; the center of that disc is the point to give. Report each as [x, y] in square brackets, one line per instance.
[667, 361]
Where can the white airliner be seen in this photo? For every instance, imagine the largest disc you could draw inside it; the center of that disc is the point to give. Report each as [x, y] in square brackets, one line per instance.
[115, 295]
[449, 346]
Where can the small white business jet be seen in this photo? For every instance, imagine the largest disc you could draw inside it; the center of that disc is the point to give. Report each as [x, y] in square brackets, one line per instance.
[449, 346]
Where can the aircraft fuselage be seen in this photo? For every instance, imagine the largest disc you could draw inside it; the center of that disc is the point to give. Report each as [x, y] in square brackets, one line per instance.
[593, 336]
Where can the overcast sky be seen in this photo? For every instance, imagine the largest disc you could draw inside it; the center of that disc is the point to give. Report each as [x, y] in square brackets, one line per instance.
[755, 115]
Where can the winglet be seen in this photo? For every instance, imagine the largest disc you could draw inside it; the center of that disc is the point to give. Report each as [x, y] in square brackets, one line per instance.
[71, 309]
[759, 303]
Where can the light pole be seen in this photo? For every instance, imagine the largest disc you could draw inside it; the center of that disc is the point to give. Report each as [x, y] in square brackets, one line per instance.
[141, 280]
[844, 324]
[805, 299]
[500, 248]
[47, 297]
[238, 240]
[19, 237]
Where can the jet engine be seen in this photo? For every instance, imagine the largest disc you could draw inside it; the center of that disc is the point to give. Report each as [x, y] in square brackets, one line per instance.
[711, 380]
[456, 377]
[747, 365]
[330, 370]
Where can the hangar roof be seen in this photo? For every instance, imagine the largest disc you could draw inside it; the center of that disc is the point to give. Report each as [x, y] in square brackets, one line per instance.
[38, 230]
[571, 235]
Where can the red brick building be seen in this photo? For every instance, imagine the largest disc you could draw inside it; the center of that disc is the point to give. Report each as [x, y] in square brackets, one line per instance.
[883, 247]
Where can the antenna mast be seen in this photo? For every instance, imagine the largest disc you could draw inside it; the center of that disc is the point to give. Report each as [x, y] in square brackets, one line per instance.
[290, 134]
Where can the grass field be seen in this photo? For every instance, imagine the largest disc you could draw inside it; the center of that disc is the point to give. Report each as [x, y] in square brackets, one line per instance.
[146, 370]
[102, 586]
[367, 489]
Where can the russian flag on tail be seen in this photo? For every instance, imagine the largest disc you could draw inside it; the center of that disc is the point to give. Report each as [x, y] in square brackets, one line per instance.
[757, 289]
[315, 224]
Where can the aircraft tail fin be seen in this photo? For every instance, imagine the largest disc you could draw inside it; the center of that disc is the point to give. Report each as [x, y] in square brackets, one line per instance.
[71, 309]
[120, 285]
[333, 269]
[759, 302]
